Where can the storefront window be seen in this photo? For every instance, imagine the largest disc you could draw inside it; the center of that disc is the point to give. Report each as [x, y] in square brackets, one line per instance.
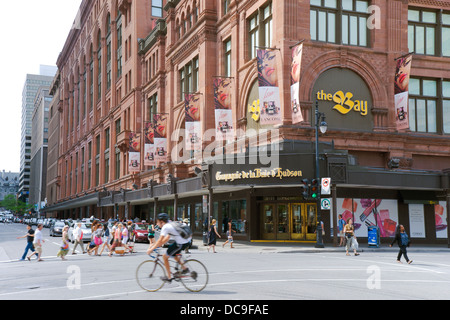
[198, 217]
[236, 210]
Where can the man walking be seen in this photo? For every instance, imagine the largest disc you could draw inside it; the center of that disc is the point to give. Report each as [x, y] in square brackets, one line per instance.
[37, 242]
[78, 235]
[30, 237]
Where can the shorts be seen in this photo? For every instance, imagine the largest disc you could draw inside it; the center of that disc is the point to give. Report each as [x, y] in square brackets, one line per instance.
[176, 248]
[38, 248]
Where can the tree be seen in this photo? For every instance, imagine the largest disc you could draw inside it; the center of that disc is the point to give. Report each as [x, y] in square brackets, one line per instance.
[12, 204]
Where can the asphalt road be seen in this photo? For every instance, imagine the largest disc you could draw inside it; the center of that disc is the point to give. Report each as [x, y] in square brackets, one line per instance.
[244, 273]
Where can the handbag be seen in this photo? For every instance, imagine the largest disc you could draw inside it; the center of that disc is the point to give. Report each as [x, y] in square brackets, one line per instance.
[98, 241]
[65, 246]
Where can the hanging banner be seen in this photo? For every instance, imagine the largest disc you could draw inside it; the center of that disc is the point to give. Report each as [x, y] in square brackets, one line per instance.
[160, 137]
[296, 65]
[223, 109]
[149, 145]
[402, 74]
[269, 93]
[192, 107]
[134, 153]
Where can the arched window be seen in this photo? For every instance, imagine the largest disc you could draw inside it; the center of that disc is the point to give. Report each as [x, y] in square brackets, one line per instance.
[108, 52]
[99, 65]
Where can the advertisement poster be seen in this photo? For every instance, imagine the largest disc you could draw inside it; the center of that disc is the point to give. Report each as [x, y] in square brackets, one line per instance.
[160, 137]
[134, 154]
[223, 108]
[370, 212]
[416, 221]
[401, 91]
[269, 93]
[149, 145]
[297, 52]
[192, 107]
[441, 216]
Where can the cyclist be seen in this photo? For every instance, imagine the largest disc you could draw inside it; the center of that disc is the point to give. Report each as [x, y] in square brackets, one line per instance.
[168, 231]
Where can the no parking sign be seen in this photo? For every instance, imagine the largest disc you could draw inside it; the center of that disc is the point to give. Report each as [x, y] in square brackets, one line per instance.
[326, 183]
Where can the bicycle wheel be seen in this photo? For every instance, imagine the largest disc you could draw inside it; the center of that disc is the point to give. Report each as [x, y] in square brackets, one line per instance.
[196, 279]
[148, 275]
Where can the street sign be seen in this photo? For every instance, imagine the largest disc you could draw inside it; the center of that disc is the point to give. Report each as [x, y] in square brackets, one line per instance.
[325, 204]
[326, 186]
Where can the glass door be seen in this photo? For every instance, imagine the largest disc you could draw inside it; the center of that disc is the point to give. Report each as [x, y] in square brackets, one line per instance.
[297, 222]
[283, 222]
[268, 221]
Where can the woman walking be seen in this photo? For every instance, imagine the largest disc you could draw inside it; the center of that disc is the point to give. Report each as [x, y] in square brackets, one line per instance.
[212, 236]
[230, 232]
[117, 239]
[97, 239]
[106, 239]
[64, 250]
[403, 241]
[349, 232]
[151, 232]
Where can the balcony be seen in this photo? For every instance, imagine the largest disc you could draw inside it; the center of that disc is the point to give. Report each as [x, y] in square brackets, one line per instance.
[123, 140]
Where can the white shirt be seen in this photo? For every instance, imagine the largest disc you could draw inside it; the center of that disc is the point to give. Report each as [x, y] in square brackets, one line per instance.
[168, 229]
[38, 236]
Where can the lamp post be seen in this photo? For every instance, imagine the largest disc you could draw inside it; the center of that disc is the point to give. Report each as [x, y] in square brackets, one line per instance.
[321, 125]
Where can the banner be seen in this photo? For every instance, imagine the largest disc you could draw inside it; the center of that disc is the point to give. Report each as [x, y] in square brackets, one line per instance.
[269, 93]
[134, 153]
[160, 137]
[401, 86]
[192, 107]
[149, 144]
[223, 108]
[296, 65]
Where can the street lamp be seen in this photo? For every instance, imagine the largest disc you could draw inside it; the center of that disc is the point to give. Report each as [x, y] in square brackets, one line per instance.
[320, 124]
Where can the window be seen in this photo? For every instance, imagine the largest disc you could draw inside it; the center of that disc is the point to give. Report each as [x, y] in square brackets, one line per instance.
[428, 112]
[260, 29]
[227, 48]
[188, 78]
[108, 54]
[340, 21]
[119, 44]
[152, 107]
[226, 6]
[429, 32]
[99, 66]
[157, 8]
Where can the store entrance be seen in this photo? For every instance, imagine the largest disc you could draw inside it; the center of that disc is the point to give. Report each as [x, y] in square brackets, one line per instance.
[288, 221]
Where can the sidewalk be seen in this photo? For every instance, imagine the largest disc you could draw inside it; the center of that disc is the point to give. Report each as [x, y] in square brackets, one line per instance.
[289, 247]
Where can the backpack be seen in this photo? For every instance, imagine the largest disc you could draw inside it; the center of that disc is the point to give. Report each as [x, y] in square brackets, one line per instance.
[183, 229]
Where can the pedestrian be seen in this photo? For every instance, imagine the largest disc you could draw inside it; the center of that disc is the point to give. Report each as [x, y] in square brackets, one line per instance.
[230, 232]
[341, 224]
[212, 236]
[78, 236]
[151, 232]
[64, 250]
[97, 236]
[185, 222]
[30, 236]
[117, 239]
[402, 239]
[125, 237]
[37, 243]
[106, 239]
[349, 231]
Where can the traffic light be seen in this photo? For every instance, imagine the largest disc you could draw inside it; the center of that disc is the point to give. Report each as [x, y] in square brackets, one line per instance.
[306, 188]
[314, 189]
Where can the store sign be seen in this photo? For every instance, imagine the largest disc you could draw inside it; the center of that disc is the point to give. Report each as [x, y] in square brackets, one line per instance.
[345, 99]
[259, 173]
[345, 102]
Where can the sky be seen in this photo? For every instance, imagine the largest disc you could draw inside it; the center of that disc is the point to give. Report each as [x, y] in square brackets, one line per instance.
[33, 33]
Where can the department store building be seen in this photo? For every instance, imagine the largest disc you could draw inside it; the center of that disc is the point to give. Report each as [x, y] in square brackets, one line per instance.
[131, 60]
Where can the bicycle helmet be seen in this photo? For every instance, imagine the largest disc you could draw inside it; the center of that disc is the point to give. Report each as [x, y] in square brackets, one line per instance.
[163, 216]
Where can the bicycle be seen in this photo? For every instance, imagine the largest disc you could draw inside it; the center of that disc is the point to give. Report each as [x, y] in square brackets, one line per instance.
[150, 272]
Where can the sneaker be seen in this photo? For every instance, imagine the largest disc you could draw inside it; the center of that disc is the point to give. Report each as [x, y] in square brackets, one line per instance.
[185, 271]
[165, 279]
[410, 261]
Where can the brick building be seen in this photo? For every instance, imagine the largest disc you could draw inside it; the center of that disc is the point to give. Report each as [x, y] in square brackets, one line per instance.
[124, 65]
